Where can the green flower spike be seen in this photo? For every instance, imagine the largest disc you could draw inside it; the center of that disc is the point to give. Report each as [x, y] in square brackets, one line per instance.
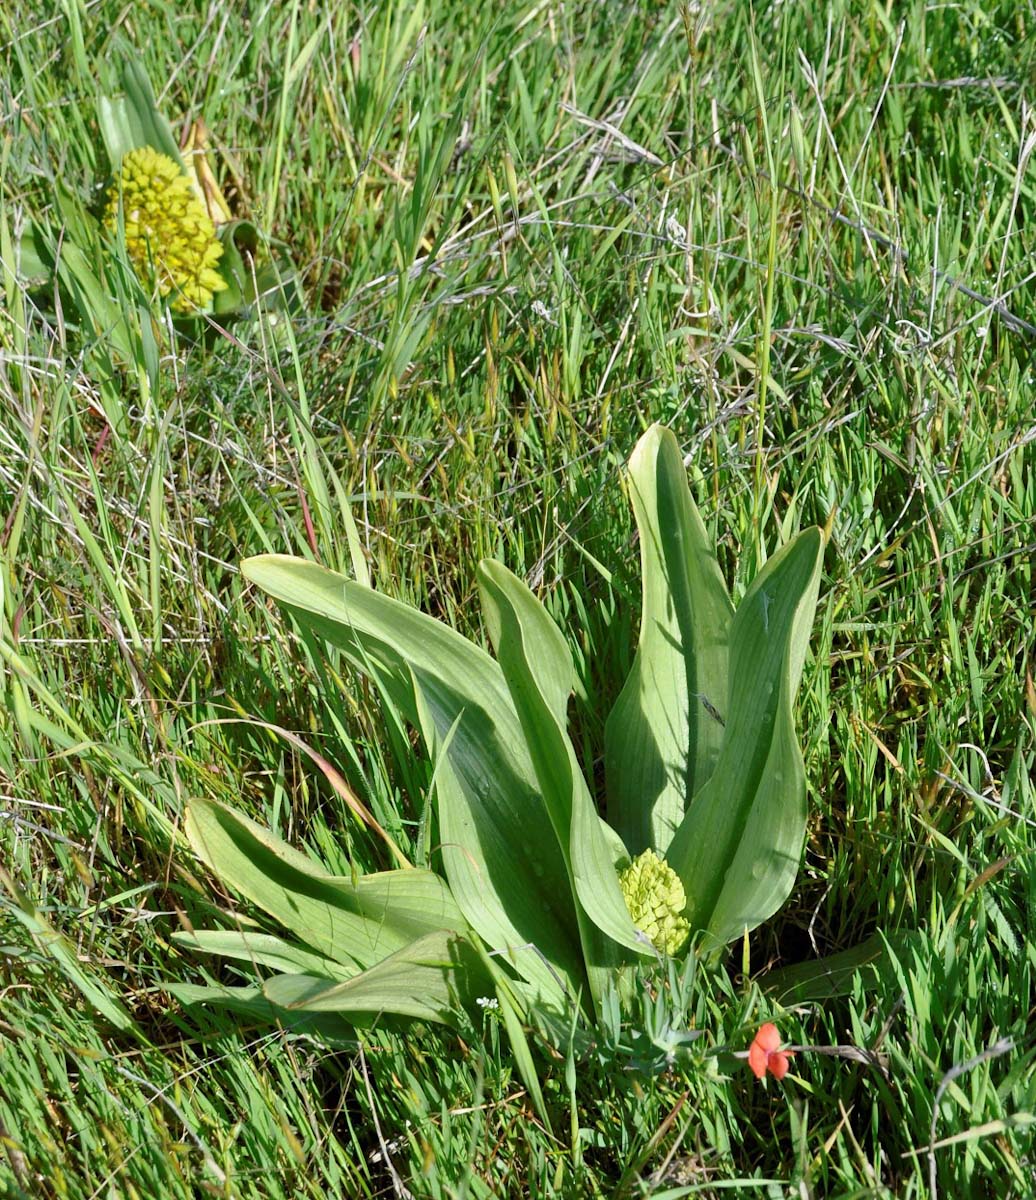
[170, 237]
[655, 898]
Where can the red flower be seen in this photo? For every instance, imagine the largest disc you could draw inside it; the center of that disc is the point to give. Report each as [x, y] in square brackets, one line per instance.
[765, 1054]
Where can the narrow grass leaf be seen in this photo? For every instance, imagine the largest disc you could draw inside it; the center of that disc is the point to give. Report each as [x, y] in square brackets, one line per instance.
[51, 942]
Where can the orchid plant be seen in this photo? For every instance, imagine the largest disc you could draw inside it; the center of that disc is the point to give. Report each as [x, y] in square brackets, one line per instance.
[164, 217]
[539, 898]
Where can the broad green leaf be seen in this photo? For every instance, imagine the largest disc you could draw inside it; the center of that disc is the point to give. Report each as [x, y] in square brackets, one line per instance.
[254, 268]
[430, 980]
[537, 665]
[232, 269]
[356, 924]
[738, 849]
[835, 975]
[261, 950]
[251, 1003]
[523, 632]
[663, 736]
[132, 120]
[502, 861]
[35, 262]
[550, 983]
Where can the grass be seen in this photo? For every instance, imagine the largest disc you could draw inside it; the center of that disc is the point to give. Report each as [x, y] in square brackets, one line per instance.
[805, 240]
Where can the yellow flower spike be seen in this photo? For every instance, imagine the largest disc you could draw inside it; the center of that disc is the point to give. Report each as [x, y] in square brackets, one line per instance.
[655, 898]
[170, 237]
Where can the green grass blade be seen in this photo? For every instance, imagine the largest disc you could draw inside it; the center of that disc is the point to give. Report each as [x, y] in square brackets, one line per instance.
[51, 942]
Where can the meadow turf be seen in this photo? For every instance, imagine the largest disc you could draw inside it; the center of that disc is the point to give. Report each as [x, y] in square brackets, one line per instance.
[805, 238]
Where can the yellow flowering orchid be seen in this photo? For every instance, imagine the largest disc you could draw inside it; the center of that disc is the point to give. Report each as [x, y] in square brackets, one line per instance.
[531, 886]
[169, 236]
[656, 900]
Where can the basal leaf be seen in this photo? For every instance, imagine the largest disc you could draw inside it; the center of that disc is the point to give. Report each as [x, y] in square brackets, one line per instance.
[550, 983]
[663, 736]
[430, 979]
[261, 950]
[356, 924]
[35, 261]
[823, 979]
[133, 120]
[504, 867]
[738, 849]
[537, 666]
[250, 1002]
